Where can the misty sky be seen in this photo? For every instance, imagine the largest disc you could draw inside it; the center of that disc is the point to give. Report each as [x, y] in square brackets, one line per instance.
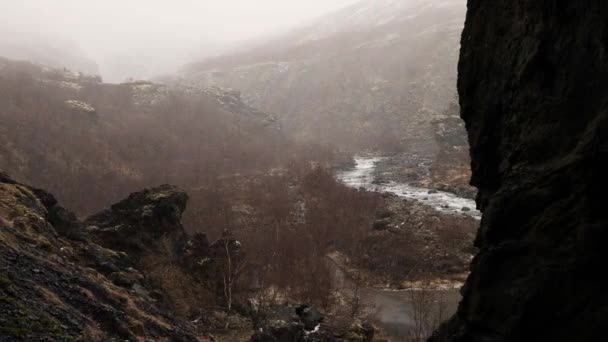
[157, 35]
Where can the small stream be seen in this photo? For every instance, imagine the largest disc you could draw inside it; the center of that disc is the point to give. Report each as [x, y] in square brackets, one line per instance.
[362, 176]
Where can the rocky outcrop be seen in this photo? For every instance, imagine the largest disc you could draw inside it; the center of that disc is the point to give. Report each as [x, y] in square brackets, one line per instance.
[146, 222]
[450, 170]
[57, 285]
[149, 94]
[533, 90]
[303, 323]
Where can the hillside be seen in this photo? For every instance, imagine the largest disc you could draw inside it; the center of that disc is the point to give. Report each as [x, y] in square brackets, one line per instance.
[129, 272]
[56, 284]
[92, 143]
[373, 75]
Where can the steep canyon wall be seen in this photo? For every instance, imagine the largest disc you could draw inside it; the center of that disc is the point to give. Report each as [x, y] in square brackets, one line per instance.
[533, 84]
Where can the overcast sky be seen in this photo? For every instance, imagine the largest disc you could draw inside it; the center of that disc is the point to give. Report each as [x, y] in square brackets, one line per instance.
[147, 30]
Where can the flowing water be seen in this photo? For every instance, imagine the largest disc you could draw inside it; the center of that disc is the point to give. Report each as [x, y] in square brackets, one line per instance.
[395, 310]
[362, 176]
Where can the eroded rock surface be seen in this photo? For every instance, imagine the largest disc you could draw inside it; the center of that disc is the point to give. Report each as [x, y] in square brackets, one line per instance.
[147, 222]
[58, 285]
[533, 83]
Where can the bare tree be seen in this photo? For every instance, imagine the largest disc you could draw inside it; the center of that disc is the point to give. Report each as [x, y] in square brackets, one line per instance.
[428, 311]
[233, 267]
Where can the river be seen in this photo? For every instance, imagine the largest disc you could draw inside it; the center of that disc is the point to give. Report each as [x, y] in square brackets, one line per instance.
[395, 310]
[362, 176]
[398, 312]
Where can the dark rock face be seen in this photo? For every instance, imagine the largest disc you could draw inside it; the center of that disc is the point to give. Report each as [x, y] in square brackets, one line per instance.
[145, 222]
[533, 83]
[64, 221]
[451, 170]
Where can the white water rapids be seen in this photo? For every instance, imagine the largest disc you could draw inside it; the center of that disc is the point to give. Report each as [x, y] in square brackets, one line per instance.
[394, 309]
[362, 176]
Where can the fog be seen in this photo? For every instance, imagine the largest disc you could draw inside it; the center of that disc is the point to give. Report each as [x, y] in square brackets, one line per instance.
[142, 38]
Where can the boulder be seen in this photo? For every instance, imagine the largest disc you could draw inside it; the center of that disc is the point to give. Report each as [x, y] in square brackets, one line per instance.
[145, 222]
[56, 288]
[309, 316]
[301, 323]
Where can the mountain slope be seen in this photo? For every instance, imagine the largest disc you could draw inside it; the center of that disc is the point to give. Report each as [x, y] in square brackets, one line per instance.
[92, 143]
[372, 75]
[58, 285]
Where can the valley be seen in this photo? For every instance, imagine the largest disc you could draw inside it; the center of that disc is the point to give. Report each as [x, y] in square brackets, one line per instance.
[312, 186]
[302, 201]
[303, 171]
[397, 310]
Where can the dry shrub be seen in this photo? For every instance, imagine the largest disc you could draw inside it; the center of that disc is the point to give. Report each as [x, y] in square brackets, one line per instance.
[288, 222]
[395, 257]
[91, 332]
[456, 234]
[186, 295]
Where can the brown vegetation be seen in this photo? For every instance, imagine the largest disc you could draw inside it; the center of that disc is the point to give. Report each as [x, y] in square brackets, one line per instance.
[279, 200]
[91, 160]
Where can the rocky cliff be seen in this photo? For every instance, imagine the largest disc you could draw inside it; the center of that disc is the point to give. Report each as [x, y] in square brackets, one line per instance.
[450, 169]
[533, 82]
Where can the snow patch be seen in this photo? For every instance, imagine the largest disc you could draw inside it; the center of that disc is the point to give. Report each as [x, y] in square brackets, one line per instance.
[70, 85]
[80, 106]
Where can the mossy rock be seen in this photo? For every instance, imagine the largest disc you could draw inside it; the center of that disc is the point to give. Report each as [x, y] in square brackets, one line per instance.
[29, 323]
